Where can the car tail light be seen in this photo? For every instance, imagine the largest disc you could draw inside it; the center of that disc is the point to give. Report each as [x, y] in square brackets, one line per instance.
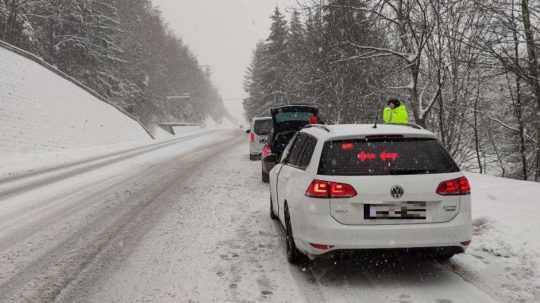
[251, 137]
[326, 189]
[321, 246]
[455, 187]
[266, 151]
[318, 189]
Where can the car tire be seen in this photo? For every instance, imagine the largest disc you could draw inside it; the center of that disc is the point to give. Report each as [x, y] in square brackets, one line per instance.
[272, 214]
[294, 256]
[265, 177]
[253, 157]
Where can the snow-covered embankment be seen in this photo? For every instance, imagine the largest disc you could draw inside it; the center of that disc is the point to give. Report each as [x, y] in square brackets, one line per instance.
[41, 111]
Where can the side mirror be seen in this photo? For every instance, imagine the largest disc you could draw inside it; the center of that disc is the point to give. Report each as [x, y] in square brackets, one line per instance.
[248, 131]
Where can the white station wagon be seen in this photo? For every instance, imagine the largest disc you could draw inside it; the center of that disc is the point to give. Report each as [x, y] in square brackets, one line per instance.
[364, 187]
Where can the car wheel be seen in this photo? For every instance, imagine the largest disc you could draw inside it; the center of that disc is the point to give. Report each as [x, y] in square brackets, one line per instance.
[294, 256]
[272, 214]
[253, 157]
[265, 177]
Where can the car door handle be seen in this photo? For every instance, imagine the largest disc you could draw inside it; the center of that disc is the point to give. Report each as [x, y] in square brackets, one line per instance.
[370, 202]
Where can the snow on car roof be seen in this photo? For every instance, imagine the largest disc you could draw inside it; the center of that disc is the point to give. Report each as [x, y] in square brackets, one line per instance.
[352, 130]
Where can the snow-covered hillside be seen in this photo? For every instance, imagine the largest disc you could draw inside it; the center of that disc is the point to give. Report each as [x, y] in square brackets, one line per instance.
[43, 112]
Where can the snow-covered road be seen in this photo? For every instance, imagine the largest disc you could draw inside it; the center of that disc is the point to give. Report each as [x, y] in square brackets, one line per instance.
[187, 223]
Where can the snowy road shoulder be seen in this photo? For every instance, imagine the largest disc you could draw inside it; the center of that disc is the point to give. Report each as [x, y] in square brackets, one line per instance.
[504, 257]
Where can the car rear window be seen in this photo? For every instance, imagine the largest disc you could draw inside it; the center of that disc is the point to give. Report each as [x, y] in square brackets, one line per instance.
[262, 127]
[385, 156]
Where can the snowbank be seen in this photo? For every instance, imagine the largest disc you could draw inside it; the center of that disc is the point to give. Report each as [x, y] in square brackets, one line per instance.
[40, 111]
[504, 257]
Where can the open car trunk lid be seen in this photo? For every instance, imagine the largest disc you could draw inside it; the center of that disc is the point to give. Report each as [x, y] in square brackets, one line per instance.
[292, 118]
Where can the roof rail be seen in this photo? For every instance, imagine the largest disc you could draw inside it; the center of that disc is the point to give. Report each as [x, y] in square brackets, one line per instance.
[413, 125]
[320, 126]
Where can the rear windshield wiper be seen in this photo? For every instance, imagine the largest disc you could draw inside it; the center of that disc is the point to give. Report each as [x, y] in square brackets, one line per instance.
[409, 171]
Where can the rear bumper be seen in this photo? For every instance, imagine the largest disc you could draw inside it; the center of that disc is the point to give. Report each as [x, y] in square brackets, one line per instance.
[393, 253]
[317, 228]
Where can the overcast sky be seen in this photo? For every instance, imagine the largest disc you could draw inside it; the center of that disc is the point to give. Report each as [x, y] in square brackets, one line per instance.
[222, 34]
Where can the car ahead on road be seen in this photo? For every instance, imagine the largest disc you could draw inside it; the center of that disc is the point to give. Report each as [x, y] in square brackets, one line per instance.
[357, 187]
[261, 127]
[286, 121]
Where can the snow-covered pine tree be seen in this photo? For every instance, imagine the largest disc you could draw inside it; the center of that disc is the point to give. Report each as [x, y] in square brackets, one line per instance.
[296, 49]
[254, 84]
[103, 25]
[346, 79]
[276, 60]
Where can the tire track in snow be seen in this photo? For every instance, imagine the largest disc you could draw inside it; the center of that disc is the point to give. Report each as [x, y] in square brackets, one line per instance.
[44, 279]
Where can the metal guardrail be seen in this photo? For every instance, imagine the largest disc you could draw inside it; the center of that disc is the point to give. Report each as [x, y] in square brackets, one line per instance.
[33, 57]
[169, 126]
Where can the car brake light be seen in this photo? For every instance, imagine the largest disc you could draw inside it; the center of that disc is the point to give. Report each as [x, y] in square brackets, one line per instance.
[321, 246]
[251, 137]
[389, 156]
[266, 151]
[455, 187]
[347, 146]
[364, 156]
[318, 189]
[326, 189]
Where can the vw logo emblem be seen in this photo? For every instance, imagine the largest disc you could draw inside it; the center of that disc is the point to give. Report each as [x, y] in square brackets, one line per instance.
[397, 192]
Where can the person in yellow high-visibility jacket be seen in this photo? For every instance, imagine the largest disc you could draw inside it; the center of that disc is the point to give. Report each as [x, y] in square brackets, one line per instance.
[395, 113]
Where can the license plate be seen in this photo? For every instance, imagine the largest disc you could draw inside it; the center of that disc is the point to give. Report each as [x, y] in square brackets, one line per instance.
[404, 210]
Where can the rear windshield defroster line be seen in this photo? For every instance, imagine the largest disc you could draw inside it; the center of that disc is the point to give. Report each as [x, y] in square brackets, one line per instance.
[385, 156]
